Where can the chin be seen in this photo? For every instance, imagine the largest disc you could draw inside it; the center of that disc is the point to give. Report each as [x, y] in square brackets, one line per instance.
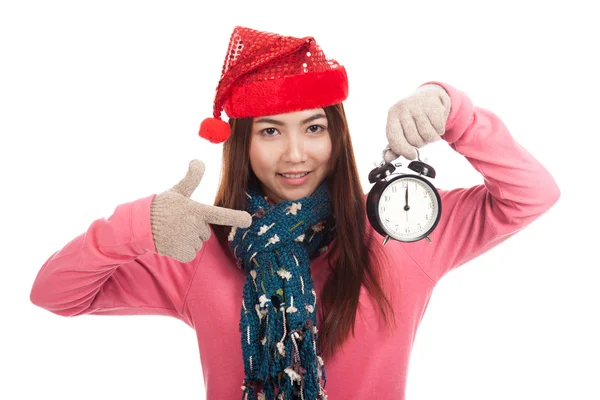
[283, 193]
[293, 195]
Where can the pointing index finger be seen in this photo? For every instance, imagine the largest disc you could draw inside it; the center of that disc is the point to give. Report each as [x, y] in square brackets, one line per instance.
[224, 216]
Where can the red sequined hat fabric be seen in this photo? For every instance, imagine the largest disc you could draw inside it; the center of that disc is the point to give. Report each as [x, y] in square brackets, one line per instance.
[266, 74]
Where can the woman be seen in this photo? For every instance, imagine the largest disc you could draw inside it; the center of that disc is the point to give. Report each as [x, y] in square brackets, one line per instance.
[325, 309]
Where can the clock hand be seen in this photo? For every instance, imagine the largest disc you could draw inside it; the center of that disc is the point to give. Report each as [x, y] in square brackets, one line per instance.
[406, 207]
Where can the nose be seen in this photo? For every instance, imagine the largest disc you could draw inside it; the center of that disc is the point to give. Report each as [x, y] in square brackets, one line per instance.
[295, 151]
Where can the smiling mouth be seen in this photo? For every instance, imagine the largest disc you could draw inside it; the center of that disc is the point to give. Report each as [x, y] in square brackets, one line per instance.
[294, 175]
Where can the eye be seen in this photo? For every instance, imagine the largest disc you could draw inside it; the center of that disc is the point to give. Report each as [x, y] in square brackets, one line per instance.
[269, 132]
[316, 128]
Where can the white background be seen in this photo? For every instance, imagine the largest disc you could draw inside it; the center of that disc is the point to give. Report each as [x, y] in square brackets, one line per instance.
[100, 104]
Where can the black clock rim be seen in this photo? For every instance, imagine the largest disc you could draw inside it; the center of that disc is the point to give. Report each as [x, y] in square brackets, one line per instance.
[373, 204]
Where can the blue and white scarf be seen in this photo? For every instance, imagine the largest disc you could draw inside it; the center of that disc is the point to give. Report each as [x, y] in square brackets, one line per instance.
[278, 322]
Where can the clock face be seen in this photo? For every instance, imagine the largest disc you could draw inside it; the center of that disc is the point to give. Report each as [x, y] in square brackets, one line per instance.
[408, 208]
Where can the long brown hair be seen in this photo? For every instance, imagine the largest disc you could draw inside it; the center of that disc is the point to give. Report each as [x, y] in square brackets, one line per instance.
[352, 254]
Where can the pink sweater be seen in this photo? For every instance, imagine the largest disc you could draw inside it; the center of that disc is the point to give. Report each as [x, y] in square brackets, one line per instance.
[114, 269]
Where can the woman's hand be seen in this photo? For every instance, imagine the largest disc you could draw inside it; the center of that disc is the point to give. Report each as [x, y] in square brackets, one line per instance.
[180, 224]
[416, 120]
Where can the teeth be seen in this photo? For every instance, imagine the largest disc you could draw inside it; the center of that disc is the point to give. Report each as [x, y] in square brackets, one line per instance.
[294, 175]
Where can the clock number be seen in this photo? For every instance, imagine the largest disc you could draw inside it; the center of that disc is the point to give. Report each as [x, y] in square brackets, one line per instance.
[394, 189]
[386, 198]
[404, 185]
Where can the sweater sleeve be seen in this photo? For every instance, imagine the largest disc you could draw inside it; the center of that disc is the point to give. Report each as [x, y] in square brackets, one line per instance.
[113, 269]
[517, 189]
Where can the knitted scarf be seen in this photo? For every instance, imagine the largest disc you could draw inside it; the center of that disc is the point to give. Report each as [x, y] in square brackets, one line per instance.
[278, 322]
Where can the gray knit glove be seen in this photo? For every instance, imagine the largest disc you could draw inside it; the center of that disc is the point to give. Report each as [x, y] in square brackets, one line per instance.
[180, 225]
[416, 121]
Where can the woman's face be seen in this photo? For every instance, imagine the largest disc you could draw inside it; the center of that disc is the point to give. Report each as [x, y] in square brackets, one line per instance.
[289, 153]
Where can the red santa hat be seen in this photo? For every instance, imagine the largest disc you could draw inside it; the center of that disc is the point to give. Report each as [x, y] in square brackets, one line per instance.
[266, 74]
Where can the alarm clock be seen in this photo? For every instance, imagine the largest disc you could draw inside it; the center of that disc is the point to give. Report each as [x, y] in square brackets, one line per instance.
[403, 206]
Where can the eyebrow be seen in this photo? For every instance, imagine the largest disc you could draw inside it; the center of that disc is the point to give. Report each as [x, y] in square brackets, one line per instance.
[279, 123]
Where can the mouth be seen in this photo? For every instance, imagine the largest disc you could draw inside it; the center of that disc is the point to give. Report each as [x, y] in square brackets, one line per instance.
[296, 179]
[294, 175]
